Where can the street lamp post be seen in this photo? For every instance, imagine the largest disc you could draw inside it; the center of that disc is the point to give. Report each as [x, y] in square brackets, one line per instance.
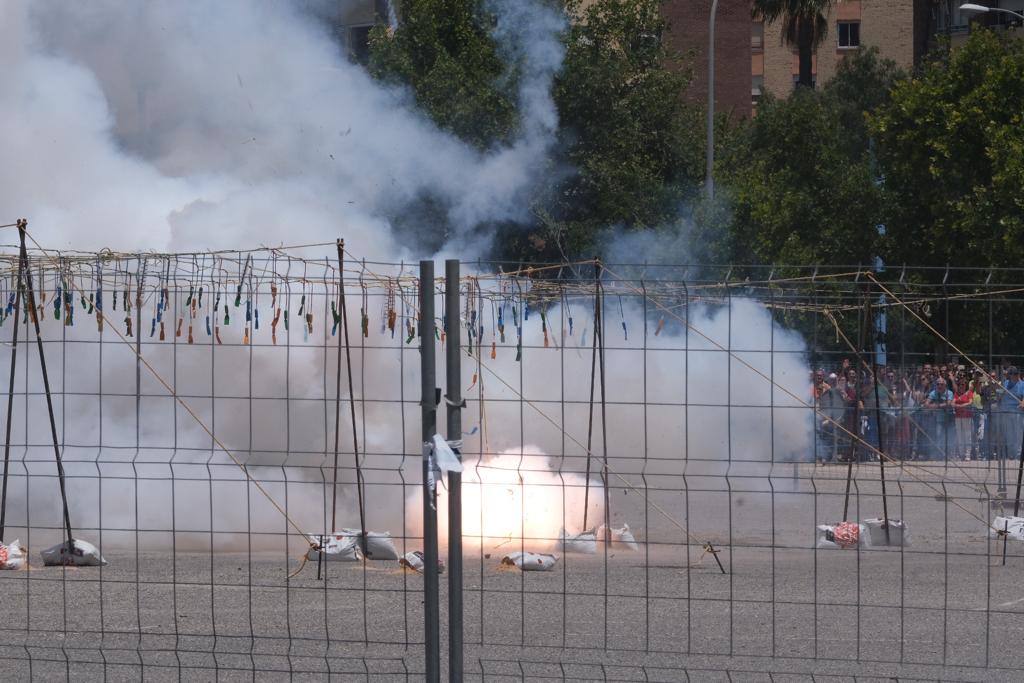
[971, 7]
[709, 180]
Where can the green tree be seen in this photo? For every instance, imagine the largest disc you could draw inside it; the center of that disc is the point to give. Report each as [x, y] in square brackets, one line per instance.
[862, 84]
[630, 145]
[628, 152]
[951, 146]
[799, 196]
[800, 178]
[803, 26]
[445, 52]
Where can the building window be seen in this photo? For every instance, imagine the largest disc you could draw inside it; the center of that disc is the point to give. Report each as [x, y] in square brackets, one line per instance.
[756, 88]
[849, 34]
[757, 36]
[359, 43]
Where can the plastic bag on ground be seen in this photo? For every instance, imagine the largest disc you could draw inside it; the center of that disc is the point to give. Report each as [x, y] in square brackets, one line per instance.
[841, 535]
[13, 556]
[619, 538]
[378, 546]
[530, 562]
[414, 560]
[584, 543]
[898, 533]
[1013, 527]
[336, 548]
[80, 554]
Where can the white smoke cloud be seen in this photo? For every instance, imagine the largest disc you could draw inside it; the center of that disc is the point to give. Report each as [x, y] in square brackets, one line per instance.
[677, 403]
[225, 125]
[182, 126]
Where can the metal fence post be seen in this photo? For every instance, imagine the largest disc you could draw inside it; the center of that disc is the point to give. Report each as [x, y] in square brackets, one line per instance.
[10, 397]
[454, 403]
[34, 315]
[428, 406]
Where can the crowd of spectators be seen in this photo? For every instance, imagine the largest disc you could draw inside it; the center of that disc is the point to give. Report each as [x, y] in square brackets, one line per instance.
[924, 412]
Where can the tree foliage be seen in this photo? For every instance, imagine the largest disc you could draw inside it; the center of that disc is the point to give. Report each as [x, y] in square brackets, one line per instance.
[863, 83]
[939, 158]
[632, 142]
[799, 177]
[629, 149]
[951, 146]
[444, 51]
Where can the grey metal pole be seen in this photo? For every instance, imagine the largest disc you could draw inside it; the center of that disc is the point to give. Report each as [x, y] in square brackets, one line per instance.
[33, 314]
[878, 425]
[10, 399]
[360, 484]
[454, 402]
[709, 180]
[1016, 500]
[428, 406]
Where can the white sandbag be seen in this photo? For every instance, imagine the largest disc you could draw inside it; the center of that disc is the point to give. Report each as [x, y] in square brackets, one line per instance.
[414, 560]
[530, 562]
[378, 546]
[620, 538]
[876, 537]
[13, 556]
[81, 554]
[336, 548]
[843, 535]
[1013, 527]
[584, 543]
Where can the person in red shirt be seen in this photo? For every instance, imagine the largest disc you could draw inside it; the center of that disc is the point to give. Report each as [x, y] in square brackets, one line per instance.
[963, 414]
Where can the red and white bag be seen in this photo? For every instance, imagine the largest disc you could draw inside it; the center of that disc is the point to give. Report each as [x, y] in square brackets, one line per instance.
[13, 556]
[843, 535]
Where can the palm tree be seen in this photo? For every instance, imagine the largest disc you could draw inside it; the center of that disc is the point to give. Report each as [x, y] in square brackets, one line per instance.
[803, 26]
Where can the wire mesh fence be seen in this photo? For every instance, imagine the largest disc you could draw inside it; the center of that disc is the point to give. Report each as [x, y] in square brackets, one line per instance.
[652, 486]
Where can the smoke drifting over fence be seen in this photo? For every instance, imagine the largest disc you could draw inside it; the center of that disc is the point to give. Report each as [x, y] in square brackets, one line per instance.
[195, 126]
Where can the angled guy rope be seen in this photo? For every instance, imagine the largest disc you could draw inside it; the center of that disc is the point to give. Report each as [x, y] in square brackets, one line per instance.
[914, 422]
[907, 468]
[10, 406]
[706, 545]
[934, 331]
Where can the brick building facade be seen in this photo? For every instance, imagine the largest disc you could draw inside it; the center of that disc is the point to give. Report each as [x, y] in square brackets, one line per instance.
[895, 27]
[750, 58]
[689, 33]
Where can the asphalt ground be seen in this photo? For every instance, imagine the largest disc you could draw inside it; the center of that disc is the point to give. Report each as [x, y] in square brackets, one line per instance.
[943, 608]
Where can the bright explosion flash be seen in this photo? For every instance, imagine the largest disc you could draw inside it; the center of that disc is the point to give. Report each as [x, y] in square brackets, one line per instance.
[519, 498]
